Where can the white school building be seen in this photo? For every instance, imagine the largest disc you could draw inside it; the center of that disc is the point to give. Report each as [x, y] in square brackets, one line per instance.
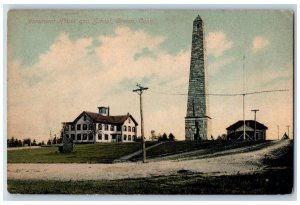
[91, 127]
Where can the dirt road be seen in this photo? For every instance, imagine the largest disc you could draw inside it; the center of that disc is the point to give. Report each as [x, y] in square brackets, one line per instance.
[220, 165]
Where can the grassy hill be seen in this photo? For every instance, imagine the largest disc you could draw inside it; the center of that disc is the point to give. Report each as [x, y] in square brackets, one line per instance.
[207, 147]
[84, 153]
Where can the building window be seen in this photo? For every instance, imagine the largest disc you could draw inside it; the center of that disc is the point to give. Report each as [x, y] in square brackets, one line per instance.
[129, 129]
[119, 127]
[125, 128]
[84, 137]
[106, 127]
[91, 137]
[113, 137]
[79, 127]
[99, 136]
[125, 137]
[112, 128]
[129, 137]
[66, 127]
[133, 137]
[106, 136]
[90, 126]
[84, 117]
[73, 136]
[67, 136]
[78, 136]
[72, 127]
[84, 126]
[133, 129]
[100, 127]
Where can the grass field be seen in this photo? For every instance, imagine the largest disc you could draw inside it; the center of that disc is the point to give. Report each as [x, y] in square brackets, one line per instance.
[269, 182]
[84, 153]
[108, 152]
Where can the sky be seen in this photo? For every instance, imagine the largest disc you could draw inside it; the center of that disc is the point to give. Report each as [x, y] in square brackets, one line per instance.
[63, 62]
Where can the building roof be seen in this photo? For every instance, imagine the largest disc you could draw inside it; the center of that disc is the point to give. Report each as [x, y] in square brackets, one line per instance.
[96, 117]
[249, 123]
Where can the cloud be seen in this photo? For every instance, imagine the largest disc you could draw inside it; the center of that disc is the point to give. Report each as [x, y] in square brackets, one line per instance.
[216, 66]
[217, 43]
[259, 43]
[68, 78]
[270, 78]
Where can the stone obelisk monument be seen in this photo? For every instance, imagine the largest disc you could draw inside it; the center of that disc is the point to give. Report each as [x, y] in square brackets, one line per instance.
[197, 121]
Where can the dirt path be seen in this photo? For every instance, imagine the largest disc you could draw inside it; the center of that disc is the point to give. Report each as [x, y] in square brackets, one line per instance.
[127, 157]
[220, 165]
[17, 148]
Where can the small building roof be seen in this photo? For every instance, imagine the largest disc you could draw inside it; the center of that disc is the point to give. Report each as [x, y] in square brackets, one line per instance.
[249, 123]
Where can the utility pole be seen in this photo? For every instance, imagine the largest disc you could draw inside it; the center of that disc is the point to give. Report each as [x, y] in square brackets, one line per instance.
[278, 131]
[51, 137]
[140, 92]
[244, 124]
[255, 110]
[288, 127]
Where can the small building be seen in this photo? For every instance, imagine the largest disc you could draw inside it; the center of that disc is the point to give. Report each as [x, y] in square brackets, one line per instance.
[91, 127]
[235, 131]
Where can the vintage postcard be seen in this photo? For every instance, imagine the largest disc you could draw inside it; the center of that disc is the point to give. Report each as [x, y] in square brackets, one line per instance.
[150, 102]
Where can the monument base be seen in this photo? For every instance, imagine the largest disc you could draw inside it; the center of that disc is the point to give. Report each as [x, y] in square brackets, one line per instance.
[197, 128]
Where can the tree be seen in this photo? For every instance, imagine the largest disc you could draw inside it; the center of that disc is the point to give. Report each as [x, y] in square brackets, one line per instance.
[11, 142]
[43, 143]
[27, 141]
[54, 140]
[212, 137]
[49, 142]
[34, 142]
[20, 143]
[222, 137]
[15, 142]
[171, 137]
[163, 137]
[59, 140]
[153, 136]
